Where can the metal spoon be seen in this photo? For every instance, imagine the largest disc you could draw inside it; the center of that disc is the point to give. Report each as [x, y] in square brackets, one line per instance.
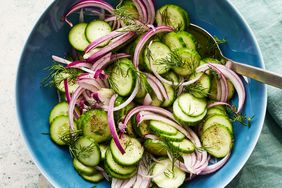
[207, 40]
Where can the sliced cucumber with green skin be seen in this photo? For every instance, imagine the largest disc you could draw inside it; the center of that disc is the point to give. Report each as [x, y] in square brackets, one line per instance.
[217, 140]
[142, 129]
[115, 167]
[155, 100]
[153, 56]
[122, 77]
[77, 37]
[83, 169]
[185, 119]
[215, 111]
[87, 151]
[117, 175]
[172, 177]
[93, 178]
[156, 147]
[162, 127]
[191, 105]
[133, 151]
[171, 91]
[103, 149]
[143, 87]
[59, 128]
[177, 137]
[218, 119]
[213, 90]
[59, 83]
[190, 60]
[184, 146]
[97, 29]
[180, 39]
[95, 124]
[200, 88]
[231, 90]
[174, 16]
[60, 109]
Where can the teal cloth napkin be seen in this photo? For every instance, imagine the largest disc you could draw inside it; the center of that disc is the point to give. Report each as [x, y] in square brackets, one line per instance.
[264, 167]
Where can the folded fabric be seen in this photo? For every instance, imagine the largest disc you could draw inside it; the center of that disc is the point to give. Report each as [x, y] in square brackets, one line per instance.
[264, 167]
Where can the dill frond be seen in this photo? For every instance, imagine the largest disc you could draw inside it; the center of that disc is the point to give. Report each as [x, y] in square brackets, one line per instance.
[58, 73]
[220, 41]
[239, 117]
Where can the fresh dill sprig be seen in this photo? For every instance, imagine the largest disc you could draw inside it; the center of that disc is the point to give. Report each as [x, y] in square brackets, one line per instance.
[71, 137]
[131, 23]
[197, 89]
[174, 153]
[82, 151]
[220, 41]
[239, 117]
[58, 73]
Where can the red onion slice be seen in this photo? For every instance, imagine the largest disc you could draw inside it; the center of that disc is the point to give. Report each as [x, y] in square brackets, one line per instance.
[141, 10]
[214, 167]
[156, 89]
[72, 103]
[111, 123]
[113, 58]
[147, 99]
[105, 59]
[234, 78]
[135, 110]
[159, 85]
[114, 44]
[100, 40]
[145, 38]
[218, 104]
[66, 86]
[86, 4]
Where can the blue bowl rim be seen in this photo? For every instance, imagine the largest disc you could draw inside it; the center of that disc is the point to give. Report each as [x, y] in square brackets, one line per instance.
[233, 173]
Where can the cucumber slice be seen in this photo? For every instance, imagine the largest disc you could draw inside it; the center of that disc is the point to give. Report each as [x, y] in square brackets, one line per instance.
[93, 178]
[153, 56]
[191, 105]
[133, 151]
[174, 16]
[115, 167]
[117, 175]
[171, 76]
[218, 119]
[201, 88]
[95, 124]
[103, 149]
[155, 100]
[156, 147]
[59, 128]
[161, 127]
[83, 169]
[180, 39]
[178, 137]
[77, 37]
[171, 177]
[122, 77]
[215, 111]
[142, 129]
[97, 29]
[87, 151]
[184, 146]
[183, 118]
[217, 140]
[60, 109]
[59, 83]
[231, 90]
[190, 60]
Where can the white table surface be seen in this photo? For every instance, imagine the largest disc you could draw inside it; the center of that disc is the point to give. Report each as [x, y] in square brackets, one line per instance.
[17, 18]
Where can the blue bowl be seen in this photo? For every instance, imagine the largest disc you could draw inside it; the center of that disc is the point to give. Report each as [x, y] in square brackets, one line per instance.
[49, 37]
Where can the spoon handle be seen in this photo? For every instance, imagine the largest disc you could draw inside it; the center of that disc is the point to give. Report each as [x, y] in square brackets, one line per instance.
[256, 73]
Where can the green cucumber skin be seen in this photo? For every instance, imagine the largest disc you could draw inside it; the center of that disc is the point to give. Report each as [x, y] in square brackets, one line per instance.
[116, 175]
[156, 147]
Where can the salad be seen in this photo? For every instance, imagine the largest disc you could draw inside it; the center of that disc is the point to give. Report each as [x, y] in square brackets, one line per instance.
[140, 104]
